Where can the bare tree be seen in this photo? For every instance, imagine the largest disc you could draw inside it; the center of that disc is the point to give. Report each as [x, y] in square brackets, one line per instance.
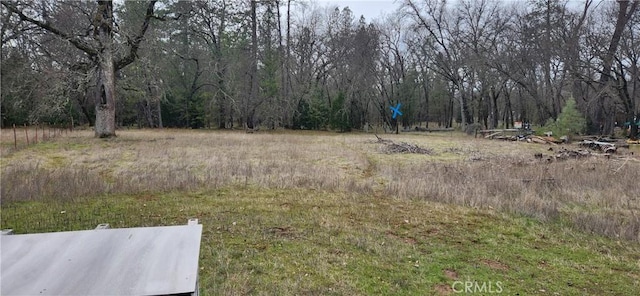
[440, 27]
[626, 72]
[100, 50]
[604, 117]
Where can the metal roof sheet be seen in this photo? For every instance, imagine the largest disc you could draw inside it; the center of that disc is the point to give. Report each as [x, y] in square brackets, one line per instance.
[125, 261]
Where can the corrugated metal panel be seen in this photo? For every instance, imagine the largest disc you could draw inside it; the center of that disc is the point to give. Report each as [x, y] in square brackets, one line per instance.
[125, 261]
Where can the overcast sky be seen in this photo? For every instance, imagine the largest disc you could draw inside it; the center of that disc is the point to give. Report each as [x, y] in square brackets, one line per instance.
[374, 8]
[369, 8]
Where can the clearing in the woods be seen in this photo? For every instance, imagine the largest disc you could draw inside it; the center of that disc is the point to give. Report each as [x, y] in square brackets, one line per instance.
[346, 214]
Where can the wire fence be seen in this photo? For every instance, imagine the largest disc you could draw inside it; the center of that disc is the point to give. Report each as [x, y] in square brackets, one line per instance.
[24, 136]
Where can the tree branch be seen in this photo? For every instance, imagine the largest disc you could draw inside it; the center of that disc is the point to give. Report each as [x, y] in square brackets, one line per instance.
[135, 43]
[77, 42]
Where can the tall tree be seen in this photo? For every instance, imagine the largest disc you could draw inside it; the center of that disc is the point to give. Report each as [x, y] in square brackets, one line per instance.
[100, 50]
[604, 116]
[249, 110]
[440, 27]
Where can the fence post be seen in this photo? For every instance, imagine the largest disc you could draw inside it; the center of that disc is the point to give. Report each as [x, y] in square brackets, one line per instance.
[26, 133]
[36, 138]
[15, 138]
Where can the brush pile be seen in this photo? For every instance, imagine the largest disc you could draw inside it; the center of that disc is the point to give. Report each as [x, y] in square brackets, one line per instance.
[391, 147]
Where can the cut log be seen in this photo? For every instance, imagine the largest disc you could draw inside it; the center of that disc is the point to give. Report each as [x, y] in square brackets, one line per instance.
[505, 138]
[490, 136]
[422, 129]
[633, 142]
[551, 140]
[606, 140]
[602, 146]
[544, 140]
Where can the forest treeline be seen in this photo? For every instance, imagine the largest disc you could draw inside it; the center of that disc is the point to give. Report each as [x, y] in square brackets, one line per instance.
[299, 65]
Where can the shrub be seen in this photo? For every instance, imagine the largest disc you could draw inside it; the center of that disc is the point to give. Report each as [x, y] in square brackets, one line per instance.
[339, 117]
[570, 122]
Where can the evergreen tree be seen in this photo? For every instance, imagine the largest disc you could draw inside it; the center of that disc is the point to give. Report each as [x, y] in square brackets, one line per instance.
[570, 122]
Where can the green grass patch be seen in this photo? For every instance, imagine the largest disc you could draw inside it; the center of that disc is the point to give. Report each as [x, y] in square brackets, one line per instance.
[54, 145]
[299, 241]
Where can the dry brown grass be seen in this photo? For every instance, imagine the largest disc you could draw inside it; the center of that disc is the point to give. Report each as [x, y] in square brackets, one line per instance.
[595, 195]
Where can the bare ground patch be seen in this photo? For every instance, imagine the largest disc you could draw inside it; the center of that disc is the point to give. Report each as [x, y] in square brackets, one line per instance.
[493, 264]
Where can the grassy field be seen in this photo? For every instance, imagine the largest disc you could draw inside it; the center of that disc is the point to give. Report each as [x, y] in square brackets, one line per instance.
[331, 214]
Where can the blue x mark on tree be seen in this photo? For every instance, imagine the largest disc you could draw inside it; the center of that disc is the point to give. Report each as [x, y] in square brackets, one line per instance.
[396, 110]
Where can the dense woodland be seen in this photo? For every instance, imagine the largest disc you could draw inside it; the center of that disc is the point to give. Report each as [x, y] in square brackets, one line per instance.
[296, 64]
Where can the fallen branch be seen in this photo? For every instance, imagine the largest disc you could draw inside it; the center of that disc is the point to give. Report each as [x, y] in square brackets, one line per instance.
[618, 169]
[383, 141]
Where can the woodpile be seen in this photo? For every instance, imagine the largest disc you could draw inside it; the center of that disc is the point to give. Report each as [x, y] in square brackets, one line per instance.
[522, 137]
[510, 135]
[605, 147]
[391, 147]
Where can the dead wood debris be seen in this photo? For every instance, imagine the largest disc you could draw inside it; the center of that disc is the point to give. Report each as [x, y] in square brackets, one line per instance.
[564, 154]
[569, 154]
[605, 147]
[391, 147]
[499, 135]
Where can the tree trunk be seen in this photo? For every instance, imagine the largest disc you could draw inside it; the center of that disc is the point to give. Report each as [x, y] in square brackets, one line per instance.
[603, 115]
[159, 106]
[450, 109]
[425, 89]
[105, 73]
[220, 99]
[508, 112]
[253, 95]
[286, 115]
[221, 71]
[287, 60]
[105, 98]
[628, 102]
[105, 66]
[82, 102]
[464, 110]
